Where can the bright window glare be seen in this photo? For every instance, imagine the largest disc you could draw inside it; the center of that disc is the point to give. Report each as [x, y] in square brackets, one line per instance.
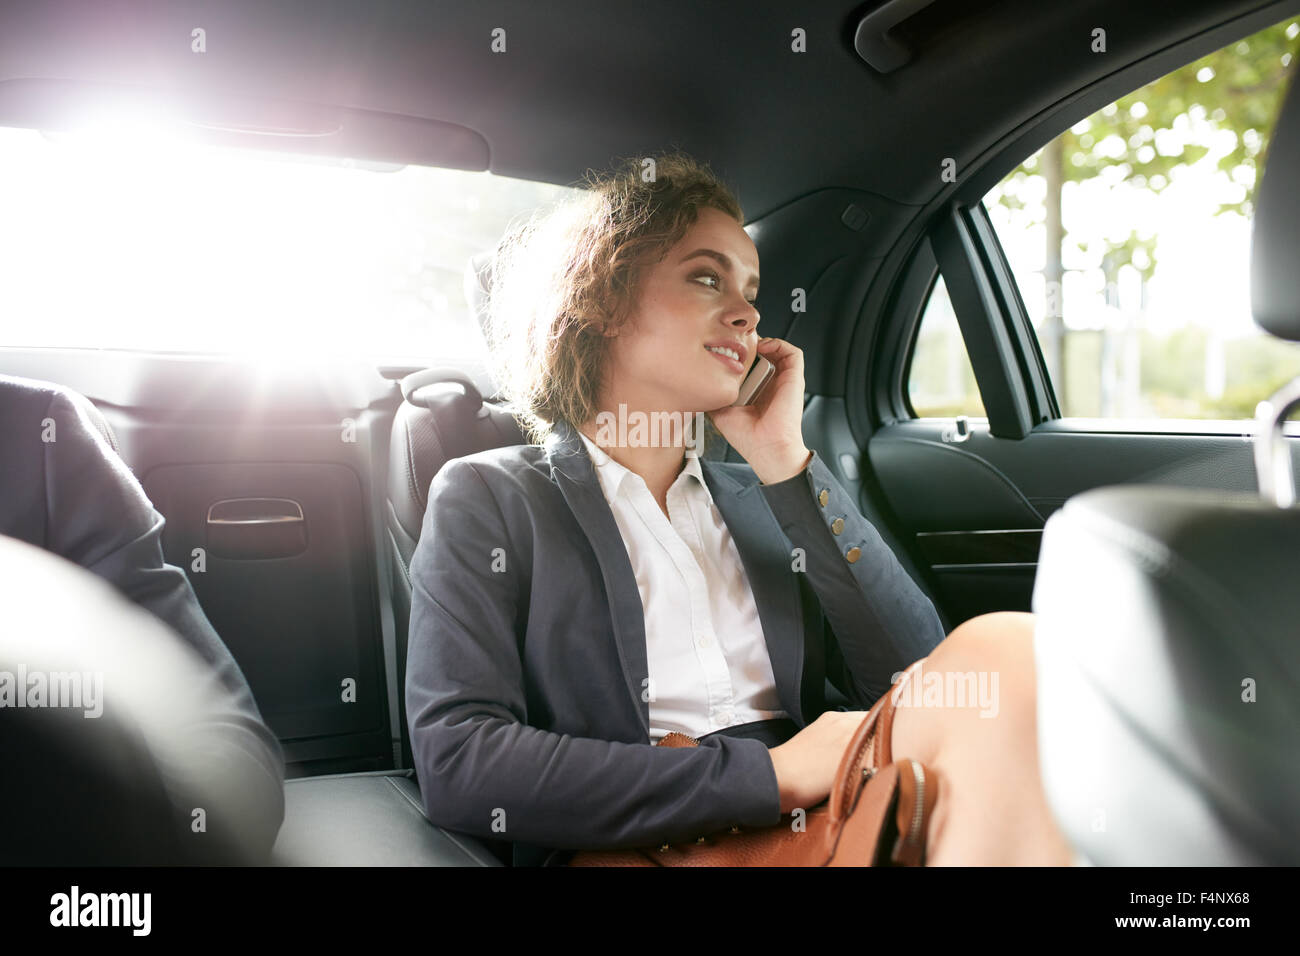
[136, 241]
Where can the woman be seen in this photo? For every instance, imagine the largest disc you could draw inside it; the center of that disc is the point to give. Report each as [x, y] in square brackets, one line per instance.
[575, 599]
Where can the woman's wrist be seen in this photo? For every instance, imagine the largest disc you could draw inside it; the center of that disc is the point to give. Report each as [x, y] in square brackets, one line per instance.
[777, 772]
[781, 466]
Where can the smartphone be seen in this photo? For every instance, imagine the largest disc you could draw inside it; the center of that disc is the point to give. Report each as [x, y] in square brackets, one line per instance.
[754, 382]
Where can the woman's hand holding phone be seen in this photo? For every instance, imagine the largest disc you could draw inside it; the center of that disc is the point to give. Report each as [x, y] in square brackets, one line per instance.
[759, 375]
[768, 431]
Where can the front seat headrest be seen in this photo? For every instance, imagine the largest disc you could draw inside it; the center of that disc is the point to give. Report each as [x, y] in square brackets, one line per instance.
[112, 731]
[1169, 691]
[1275, 233]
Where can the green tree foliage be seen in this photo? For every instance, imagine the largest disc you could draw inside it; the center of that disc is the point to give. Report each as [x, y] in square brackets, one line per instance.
[1238, 89]
[1143, 140]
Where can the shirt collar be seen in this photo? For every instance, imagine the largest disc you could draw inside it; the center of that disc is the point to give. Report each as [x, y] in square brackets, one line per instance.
[612, 474]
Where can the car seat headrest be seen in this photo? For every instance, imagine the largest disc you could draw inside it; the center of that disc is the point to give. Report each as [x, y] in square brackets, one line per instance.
[418, 388]
[122, 743]
[1275, 233]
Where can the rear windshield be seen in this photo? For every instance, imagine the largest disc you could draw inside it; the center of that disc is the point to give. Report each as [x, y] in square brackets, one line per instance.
[128, 242]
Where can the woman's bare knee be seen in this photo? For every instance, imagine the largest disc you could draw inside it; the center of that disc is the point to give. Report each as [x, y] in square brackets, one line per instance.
[986, 637]
[983, 670]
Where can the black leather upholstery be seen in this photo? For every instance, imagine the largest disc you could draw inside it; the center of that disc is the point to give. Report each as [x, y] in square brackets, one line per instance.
[367, 819]
[377, 819]
[1161, 613]
[1166, 650]
[442, 419]
[136, 767]
[442, 416]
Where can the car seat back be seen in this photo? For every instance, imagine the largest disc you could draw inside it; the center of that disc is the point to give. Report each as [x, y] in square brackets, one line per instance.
[442, 416]
[1166, 651]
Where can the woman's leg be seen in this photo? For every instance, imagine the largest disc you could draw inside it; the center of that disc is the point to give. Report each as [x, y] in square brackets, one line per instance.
[991, 810]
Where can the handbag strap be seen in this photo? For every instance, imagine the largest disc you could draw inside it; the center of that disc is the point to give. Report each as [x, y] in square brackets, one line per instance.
[885, 736]
[858, 765]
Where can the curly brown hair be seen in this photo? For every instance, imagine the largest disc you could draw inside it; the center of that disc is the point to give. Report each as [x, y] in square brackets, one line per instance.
[570, 275]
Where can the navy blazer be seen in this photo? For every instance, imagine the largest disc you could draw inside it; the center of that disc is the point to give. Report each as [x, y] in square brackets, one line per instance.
[526, 687]
[64, 489]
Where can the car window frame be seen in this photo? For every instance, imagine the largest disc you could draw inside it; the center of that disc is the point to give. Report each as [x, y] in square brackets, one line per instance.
[961, 242]
[933, 275]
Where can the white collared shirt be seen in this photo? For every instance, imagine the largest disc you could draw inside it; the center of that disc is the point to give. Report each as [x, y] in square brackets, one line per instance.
[708, 660]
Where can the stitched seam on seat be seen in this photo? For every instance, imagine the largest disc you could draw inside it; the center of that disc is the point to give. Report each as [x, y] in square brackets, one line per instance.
[398, 551]
[405, 796]
[1198, 589]
[461, 846]
[1156, 557]
[440, 448]
[451, 837]
[412, 482]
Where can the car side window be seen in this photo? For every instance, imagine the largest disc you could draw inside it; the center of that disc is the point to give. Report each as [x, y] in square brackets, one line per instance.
[940, 380]
[1129, 238]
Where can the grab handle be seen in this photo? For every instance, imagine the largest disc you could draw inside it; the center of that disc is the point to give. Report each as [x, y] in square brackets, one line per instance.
[251, 528]
[873, 39]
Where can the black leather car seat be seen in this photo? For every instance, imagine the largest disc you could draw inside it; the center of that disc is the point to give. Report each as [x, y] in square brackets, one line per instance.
[376, 818]
[442, 416]
[1166, 641]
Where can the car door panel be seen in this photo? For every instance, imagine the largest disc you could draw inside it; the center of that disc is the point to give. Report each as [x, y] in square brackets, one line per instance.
[974, 513]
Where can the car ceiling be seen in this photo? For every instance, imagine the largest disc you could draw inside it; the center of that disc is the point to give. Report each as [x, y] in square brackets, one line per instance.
[581, 84]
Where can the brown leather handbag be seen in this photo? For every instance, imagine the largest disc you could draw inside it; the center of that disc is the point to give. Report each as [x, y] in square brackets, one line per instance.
[877, 813]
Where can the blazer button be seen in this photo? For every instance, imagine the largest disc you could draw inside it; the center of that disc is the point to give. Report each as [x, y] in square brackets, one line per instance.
[837, 526]
[824, 497]
[852, 555]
